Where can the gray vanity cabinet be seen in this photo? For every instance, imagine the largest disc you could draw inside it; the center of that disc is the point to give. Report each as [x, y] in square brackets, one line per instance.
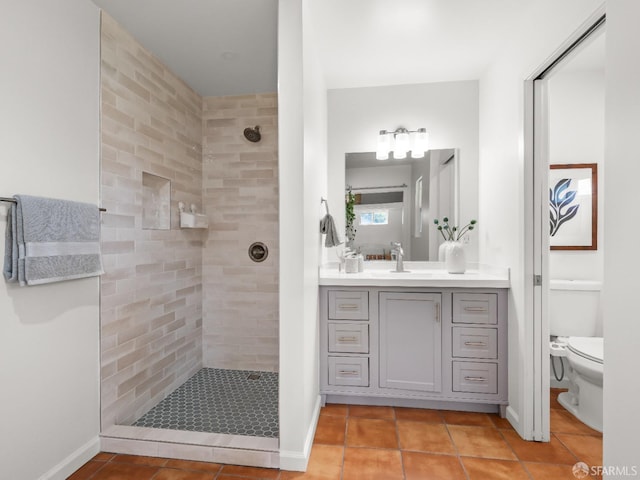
[410, 341]
[414, 346]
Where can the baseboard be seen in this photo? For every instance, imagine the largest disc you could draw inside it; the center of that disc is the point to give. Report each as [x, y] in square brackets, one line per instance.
[297, 461]
[514, 419]
[73, 462]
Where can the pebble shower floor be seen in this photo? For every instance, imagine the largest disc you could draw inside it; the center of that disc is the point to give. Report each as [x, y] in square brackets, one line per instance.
[235, 402]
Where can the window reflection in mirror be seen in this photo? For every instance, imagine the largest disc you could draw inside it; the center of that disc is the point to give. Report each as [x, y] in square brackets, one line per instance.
[397, 200]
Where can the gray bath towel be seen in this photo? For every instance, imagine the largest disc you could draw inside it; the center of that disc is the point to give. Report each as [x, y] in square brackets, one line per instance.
[328, 226]
[51, 240]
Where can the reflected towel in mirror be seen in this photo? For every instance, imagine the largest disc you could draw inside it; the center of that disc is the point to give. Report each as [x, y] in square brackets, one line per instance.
[328, 227]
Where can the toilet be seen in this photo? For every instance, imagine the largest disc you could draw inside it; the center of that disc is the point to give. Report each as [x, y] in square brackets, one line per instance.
[574, 310]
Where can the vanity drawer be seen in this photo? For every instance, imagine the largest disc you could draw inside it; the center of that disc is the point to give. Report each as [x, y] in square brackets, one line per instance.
[475, 377]
[348, 305]
[469, 342]
[475, 308]
[350, 371]
[348, 337]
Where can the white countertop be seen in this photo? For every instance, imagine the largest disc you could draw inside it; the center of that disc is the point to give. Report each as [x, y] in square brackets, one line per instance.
[418, 274]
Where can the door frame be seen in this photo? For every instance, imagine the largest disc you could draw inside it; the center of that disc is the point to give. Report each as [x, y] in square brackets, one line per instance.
[536, 164]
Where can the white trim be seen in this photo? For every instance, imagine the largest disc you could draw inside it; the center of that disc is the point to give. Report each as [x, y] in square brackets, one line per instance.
[297, 461]
[54, 249]
[535, 414]
[73, 462]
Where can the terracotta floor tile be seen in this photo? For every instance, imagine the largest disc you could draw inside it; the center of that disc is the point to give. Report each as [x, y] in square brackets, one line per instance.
[542, 452]
[487, 469]
[120, 471]
[331, 430]
[467, 418]
[325, 463]
[370, 411]
[173, 474]
[418, 415]
[195, 466]
[140, 460]
[372, 464]
[553, 394]
[486, 442]
[103, 457]
[587, 448]
[564, 422]
[425, 437]
[88, 469]
[421, 466]
[334, 409]
[545, 471]
[499, 422]
[371, 432]
[252, 472]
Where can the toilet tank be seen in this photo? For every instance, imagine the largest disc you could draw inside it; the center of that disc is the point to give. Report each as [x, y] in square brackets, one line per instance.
[574, 308]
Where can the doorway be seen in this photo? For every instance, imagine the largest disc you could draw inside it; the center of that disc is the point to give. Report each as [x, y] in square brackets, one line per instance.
[562, 127]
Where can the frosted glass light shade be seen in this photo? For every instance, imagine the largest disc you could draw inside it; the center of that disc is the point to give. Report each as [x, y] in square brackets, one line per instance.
[384, 145]
[402, 145]
[420, 143]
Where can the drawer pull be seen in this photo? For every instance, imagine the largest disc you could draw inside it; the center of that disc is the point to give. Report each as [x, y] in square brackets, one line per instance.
[348, 373]
[347, 339]
[475, 344]
[348, 306]
[475, 379]
[475, 309]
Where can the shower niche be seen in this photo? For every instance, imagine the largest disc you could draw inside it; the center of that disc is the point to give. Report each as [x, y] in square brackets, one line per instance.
[156, 202]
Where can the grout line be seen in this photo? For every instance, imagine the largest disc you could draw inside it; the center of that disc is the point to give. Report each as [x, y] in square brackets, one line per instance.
[395, 422]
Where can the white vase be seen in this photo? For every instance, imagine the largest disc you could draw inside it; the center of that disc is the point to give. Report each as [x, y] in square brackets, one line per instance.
[442, 250]
[455, 261]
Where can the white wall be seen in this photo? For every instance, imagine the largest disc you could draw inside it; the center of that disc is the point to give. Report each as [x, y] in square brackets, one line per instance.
[302, 169]
[621, 229]
[49, 350]
[449, 112]
[576, 135]
[543, 29]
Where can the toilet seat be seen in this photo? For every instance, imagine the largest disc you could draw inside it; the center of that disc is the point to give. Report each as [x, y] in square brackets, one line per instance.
[589, 348]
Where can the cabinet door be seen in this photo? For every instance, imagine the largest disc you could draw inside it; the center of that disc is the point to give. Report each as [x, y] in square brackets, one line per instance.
[410, 341]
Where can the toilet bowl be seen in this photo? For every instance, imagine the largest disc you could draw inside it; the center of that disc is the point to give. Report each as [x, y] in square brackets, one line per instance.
[586, 366]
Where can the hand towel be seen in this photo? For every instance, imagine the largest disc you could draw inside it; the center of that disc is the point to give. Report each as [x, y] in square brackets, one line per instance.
[328, 226]
[50, 240]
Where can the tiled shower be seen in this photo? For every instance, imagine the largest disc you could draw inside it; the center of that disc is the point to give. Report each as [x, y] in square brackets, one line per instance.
[179, 302]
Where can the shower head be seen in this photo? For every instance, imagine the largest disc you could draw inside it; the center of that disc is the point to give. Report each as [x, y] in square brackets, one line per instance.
[252, 134]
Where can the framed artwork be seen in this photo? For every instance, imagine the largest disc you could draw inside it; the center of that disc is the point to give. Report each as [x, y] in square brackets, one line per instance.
[573, 206]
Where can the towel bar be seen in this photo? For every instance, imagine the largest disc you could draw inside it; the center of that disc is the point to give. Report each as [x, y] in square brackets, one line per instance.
[13, 200]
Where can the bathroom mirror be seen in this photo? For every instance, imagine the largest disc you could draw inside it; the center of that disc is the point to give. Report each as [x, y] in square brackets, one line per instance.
[397, 200]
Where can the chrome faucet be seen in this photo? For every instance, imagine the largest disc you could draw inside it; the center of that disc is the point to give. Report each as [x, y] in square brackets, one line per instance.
[399, 256]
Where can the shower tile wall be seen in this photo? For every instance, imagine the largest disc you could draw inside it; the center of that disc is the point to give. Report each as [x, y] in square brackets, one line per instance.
[151, 294]
[240, 181]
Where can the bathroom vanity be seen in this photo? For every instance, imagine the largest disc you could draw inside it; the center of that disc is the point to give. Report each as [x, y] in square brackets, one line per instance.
[423, 338]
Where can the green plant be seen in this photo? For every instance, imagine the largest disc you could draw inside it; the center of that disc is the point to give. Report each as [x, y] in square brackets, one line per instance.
[350, 218]
[453, 233]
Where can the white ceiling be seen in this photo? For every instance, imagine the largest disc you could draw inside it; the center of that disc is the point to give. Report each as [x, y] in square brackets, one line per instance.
[219, 47]
[228, 47]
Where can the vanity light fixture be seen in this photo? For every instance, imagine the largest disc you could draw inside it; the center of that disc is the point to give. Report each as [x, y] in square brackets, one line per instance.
[401, 141]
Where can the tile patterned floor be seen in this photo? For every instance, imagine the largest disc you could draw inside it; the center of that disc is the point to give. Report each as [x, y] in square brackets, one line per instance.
[371, 443]
[220, 401]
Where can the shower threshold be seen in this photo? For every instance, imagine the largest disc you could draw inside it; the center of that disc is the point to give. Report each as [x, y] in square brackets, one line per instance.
[218, 415]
